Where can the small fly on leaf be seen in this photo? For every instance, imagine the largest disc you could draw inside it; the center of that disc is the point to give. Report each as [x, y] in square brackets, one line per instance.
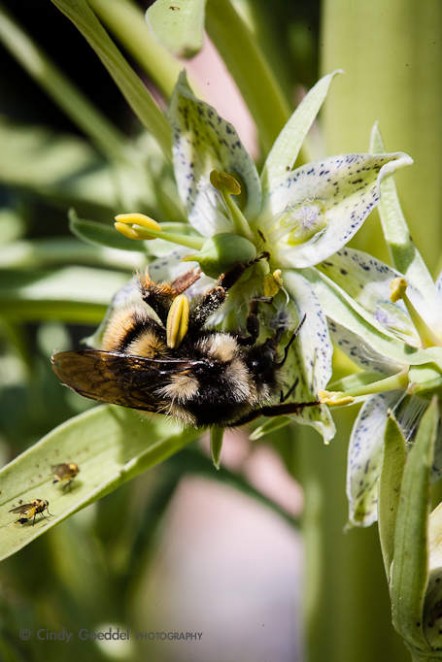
[29, 511]
[65, 473]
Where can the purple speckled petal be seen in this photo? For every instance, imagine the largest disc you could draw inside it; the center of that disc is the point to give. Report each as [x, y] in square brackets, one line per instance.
[204, 141]
[313, 350]
[368, 281]
[361, 352]
[365, 455]
[318, 208]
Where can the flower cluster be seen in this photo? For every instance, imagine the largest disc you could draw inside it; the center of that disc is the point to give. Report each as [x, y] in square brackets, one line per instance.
[299, 217]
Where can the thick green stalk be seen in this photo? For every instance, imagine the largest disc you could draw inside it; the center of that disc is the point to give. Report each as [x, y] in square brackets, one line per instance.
[242, 55]
[346, 605]
[392, 57]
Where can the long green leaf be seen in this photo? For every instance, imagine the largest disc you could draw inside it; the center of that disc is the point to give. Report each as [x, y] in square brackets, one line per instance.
[395, 454]
[137, 95]
[44, 253]
[286, 147]
[406, 257]
[410, 568]
[110, 444]
[73, 294]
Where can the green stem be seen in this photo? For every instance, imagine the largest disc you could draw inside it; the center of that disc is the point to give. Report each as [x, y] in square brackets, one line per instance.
[347, 612]
[136, 94]
[195, 243]
[216, 444]
[127, 22]
[401, 87]
[397, 381]
[245, 61]
[37, 64]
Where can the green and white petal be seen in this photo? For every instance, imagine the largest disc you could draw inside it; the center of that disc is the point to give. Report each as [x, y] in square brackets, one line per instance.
[313, 336]
[203, 141]
[316, 209]
[361, 352]
[311, 355]
[285, 150]
[365, 454]
[406, 258]
[368, 281]
[344, 311]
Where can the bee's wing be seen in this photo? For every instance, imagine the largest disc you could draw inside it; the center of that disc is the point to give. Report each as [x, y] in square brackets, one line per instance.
[121, 379]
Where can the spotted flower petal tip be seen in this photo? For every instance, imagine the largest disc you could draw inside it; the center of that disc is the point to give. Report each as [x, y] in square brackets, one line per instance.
[316, 209]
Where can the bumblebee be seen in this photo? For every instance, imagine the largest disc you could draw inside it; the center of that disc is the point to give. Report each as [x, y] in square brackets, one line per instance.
[158, 354]
[29, 511]
[65, 473]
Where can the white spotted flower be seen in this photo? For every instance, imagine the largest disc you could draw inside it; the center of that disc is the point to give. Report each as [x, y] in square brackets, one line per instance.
[297, 217]
[390, 324]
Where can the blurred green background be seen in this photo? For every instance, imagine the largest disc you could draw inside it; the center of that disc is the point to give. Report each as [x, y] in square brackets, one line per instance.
[184, 548]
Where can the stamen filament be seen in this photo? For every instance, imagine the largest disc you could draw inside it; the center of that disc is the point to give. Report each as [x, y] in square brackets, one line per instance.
[426, 334]
[227, 185]
[399, 381]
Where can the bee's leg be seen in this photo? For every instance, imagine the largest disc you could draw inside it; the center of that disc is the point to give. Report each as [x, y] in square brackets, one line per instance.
[160, 296]
[294, 335]
[285, 396]
[275, 410]
[252, 321]
[232, 276]
[183, 282]
[209, 302]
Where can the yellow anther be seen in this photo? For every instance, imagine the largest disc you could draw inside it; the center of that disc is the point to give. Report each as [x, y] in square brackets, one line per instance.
[139, 219]
[144, 228]
[277, 275]
[224, 182]
[126, 230]
[334, 398]
[272, 283]
[177, 321]
[398, 287]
